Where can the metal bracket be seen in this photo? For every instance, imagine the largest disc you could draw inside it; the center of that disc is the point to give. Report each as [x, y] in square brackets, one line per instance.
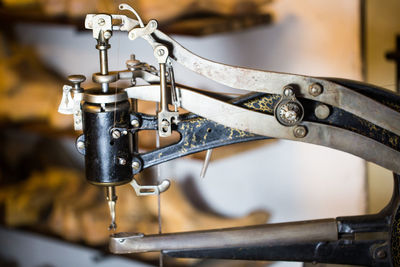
[71, 105]
[150, 190]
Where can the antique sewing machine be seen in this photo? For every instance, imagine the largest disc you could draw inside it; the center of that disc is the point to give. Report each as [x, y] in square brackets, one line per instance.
[349, 116]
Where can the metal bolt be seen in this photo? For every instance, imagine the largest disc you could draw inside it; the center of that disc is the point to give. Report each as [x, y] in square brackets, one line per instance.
[121, 161]
[322, 112]
[300, 131]
[80, 145]
[135, 123]
[315, 89]
[124, 132]
[101, 22]
[381, 254]
[107, 35]
[288, 90]
[135, 165]
[116, 134]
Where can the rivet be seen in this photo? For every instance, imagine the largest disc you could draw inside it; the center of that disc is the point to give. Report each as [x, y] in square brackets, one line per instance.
[315, 89]
[135, 123]
[80, 145]
[300, 131]
[322, 111]
[288, 90]
[381, 254]
[135, 165]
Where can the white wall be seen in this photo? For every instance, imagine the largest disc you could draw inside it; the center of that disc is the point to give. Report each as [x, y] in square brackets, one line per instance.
[293, 181]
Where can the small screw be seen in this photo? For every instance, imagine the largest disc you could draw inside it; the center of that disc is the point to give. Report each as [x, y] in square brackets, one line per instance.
[121, 161]
[122, 240]
[288, 90]
[135, 165]
[315, 89]
[101, 22]
[300, 131]
[135, 123]
[153, 24]
[381, 254]
[80, 145]
[124, 132]
[107, 35]
[116, 134]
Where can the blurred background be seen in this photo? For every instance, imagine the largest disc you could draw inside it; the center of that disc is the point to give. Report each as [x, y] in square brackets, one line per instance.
[50, 216]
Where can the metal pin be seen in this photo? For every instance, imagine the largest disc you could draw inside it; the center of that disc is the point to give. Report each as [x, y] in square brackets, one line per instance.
[206, 163]
[111, 199]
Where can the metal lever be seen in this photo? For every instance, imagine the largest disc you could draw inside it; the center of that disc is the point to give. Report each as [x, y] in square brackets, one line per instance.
[148, 190]
[165, 117]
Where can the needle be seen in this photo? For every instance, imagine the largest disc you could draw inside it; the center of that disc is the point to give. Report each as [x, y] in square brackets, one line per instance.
[205, 164]
[112, 199]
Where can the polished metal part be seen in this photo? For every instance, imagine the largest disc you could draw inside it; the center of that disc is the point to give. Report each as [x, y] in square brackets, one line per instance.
[267, 234]
[111, 200]
[206, 163]
[176, 101]
[76, 81]
[148, 190]
[96, 96]
[266, 125]
[105, 78]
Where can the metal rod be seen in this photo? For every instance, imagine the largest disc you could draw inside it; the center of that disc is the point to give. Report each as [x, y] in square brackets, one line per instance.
[163, 89]
[103, 63]
[268, 234]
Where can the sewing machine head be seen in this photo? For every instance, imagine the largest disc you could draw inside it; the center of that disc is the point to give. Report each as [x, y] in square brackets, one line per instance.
[328, 112]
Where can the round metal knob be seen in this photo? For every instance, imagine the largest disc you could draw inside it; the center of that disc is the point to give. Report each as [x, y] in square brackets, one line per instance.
[76, 80]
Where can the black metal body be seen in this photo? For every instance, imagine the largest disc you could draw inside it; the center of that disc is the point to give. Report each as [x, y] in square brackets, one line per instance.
[102, 151]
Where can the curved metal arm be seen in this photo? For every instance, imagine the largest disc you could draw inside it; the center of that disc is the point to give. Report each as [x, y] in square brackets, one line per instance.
[266, 125]
[272, 82]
